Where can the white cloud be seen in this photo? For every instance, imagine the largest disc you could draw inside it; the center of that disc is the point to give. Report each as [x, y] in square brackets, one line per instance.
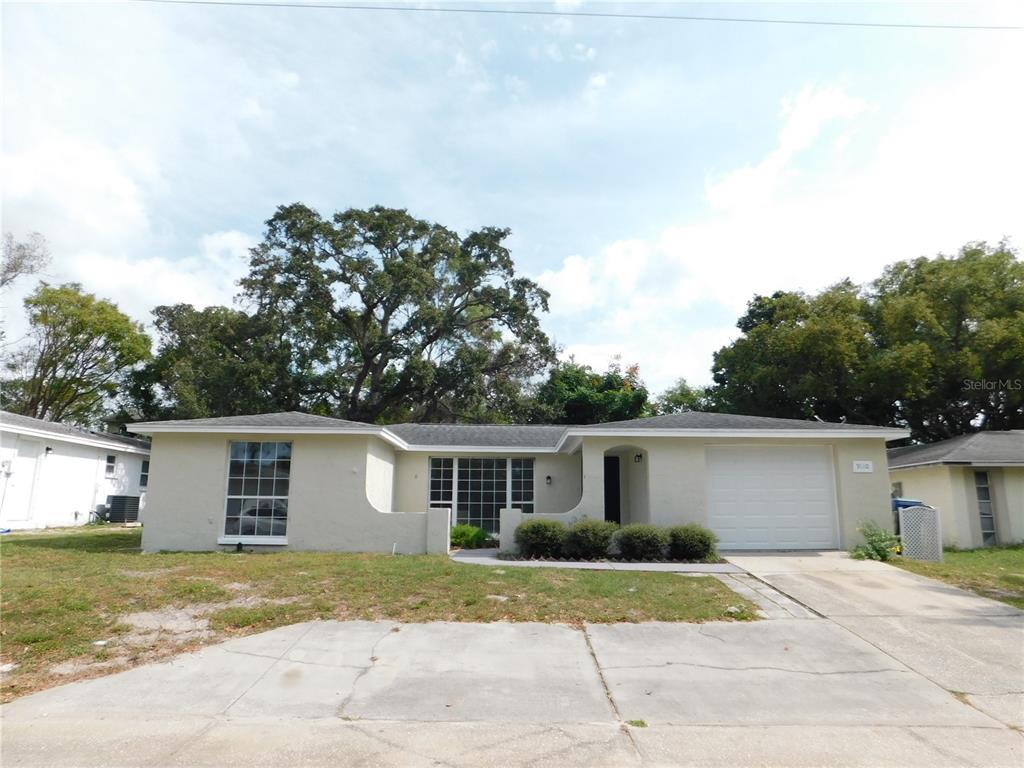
[938, 172]
[581, 52]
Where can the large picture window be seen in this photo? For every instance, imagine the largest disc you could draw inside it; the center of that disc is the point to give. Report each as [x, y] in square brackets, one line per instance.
[257, 498]
[477, 489]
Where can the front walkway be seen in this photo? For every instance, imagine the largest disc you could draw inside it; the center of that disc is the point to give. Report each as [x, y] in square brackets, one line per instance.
[490, 557]
[967, 644]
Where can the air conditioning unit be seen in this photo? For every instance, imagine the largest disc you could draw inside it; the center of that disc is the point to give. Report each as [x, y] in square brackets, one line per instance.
[122, 509]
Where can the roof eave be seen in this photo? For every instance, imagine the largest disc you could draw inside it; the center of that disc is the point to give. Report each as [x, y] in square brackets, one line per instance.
[886, 433]
[96, 441]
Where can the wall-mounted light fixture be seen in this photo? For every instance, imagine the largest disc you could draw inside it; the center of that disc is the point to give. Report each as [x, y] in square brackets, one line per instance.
[638, 458]
[547, 480]
[49, 450]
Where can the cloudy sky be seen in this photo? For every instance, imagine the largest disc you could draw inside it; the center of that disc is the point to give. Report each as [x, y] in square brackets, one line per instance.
[655, 175]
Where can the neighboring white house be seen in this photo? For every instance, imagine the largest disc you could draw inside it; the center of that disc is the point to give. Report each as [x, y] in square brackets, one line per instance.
[975, 481]
[56, 475]
[314, 483]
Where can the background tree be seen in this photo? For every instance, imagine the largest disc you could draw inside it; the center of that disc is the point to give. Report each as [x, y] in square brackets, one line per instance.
[941, 324]
[22, 257]
[576, 394]
[391, 317]
[681, 397]
[79, 348]
[212, 362]
[904, 351]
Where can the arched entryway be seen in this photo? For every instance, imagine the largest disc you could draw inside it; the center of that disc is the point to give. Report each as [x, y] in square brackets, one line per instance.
[625, 485]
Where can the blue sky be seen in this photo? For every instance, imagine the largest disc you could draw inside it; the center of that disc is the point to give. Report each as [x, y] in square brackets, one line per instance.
[655, 175]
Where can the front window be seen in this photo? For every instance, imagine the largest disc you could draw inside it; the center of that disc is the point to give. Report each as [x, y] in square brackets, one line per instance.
[111, 466]
[985, 512]
[257, 498]
[144, 474]
[477, 489]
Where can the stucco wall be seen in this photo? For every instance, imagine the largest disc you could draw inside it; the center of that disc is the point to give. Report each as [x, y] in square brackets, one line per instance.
[412, 477]
[328, 507]
[380, 476]
[677, 479]
[951, 490]
[62, 487]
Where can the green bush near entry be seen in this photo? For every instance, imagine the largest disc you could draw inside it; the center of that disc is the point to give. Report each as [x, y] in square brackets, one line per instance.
[642, 542]
[588, 540]
[692, 542]
[465, 536]
[879, 544]
[540, 538]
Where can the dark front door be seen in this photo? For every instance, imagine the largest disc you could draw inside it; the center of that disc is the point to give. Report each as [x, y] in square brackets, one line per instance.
[612, 512]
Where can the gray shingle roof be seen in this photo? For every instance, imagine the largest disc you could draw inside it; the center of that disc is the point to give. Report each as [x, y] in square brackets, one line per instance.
[992, 448]
[483, 435]
[285, 419]
[66, 430]
[702, 420]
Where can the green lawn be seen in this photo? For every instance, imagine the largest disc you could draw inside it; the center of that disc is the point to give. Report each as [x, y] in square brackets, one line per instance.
[995, 572]
[62, 591]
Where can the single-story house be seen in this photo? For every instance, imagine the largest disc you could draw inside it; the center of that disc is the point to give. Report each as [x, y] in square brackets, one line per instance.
[975, 481]
[315, 483]
[56, 475]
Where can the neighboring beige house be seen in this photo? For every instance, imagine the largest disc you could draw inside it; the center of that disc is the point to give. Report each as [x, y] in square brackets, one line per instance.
[315, 483]
[975, 481]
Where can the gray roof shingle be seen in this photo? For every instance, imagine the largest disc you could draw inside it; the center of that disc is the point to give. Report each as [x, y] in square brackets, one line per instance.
[703, 420]
[66, 430]
[992, 448]
[483, 435]
[284, 419]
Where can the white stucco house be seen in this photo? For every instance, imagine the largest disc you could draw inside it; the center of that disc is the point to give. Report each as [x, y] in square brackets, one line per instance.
[298, 481]
[57, 475]
[975, 481]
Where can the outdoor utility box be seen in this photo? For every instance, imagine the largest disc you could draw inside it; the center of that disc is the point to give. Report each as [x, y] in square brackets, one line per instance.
[123, 509]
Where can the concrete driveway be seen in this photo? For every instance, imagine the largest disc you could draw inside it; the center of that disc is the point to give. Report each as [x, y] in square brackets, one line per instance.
[968, 645]
[786, 691]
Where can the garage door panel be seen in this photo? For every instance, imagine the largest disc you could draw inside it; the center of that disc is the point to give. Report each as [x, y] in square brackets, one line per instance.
[772, 497]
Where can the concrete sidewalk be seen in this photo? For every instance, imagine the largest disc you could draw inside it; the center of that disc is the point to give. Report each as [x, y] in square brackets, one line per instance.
[787, 692]
[964, 643]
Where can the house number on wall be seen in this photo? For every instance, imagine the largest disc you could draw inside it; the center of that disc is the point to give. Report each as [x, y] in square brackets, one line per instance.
[863, 466]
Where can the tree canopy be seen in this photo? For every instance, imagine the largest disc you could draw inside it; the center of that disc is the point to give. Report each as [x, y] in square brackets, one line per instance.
[576, 394]
[369, 315]
[936, 345]
[79, 349]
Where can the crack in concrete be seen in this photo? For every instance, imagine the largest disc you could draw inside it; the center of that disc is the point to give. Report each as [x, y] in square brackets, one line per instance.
[340, 712]
[267, 670]
[296, 661]
[608, 693]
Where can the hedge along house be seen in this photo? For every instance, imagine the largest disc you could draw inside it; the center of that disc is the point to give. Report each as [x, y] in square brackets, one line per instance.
[975, 481]
[297, 481]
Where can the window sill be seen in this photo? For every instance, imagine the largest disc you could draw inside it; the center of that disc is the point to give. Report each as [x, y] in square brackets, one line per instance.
[266, 541]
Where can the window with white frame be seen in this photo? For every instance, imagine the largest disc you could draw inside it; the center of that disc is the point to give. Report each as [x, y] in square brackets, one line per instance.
[111, 466]
[476, 489]
[986, 514]
[144, 474]
[257, 499]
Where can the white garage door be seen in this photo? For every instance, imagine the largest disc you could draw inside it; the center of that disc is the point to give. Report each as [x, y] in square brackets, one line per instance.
[772, 497]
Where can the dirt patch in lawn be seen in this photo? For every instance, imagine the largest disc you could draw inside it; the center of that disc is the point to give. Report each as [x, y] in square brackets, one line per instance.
[88, 602]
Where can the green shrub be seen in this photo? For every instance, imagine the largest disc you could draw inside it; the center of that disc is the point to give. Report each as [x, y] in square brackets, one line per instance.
[879, 544]
[465, 536]
[692, 542]
[589, 539]
[642, 542]
[540, 538]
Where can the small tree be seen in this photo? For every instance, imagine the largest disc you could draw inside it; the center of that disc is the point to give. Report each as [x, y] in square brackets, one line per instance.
[79, 347]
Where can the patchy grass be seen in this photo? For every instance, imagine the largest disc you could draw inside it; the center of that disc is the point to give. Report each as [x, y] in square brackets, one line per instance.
[995, 572]
[62, 591]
